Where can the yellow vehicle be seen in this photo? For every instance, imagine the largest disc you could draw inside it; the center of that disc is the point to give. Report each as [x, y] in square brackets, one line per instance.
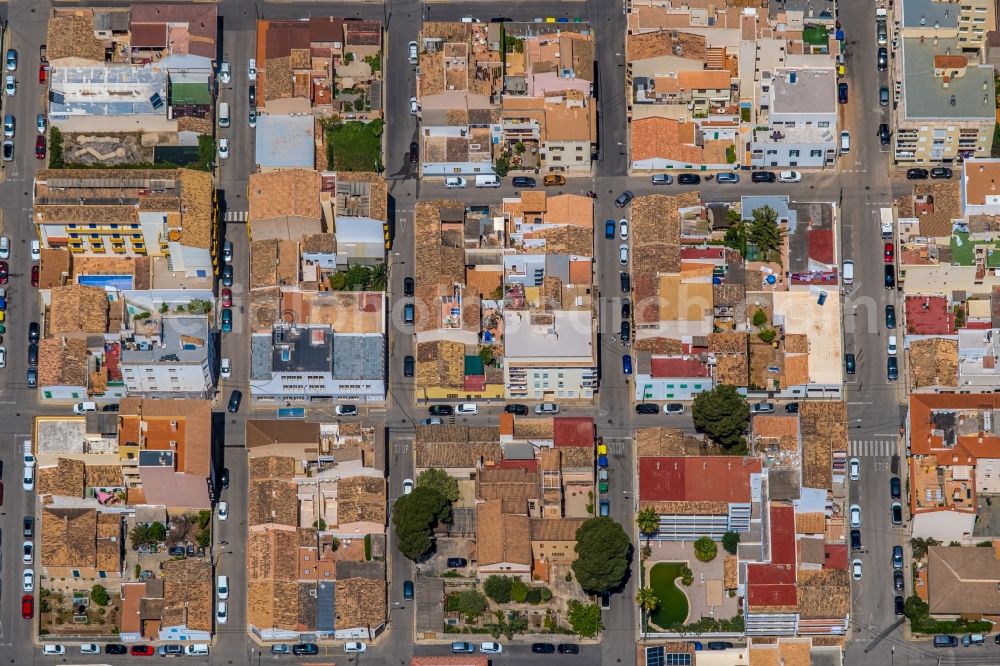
[554, 179]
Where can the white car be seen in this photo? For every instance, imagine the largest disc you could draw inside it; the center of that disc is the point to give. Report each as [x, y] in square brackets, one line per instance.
[789, 177]
[623, 254]
[491, 648]
[36, 251]
[412, 53]
[3, 357]
[854, 469]
[856, 569]
[29, 459]
[226, 368]
[407, 486]
[355, 646]
[90, 648]
[252, 69]
[29, 552]
[225, 72]
[413, 106]
[547, 408]
[222, 612]
[467, 408]
[10, 86]
[855, 515]
[223, 148]
[892, 345]
[28, 482]
[53, 650]
[223, 510]
[28, 581]
[623, 229]
[346, 410]
[9, 126]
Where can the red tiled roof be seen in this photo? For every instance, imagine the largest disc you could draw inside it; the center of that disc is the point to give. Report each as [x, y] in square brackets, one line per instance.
[529, 465]
[711, 252]
[836, 556]
[678, 367]
[683, 479]
[774, 584]
[573, 431]
[821, 246]
[928, 315]
[149, 35]
[924, 439]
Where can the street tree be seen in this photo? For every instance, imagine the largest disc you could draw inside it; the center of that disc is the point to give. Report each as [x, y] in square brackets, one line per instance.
[414, 517]
[439, 480]
[722, 414]
[603, 552]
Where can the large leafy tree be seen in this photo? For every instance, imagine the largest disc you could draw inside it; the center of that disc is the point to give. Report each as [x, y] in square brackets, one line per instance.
[498, 588]
[414, 517]
[765, 232]
[585, 618]
[439, 480]
[603, 551]
[722, 414]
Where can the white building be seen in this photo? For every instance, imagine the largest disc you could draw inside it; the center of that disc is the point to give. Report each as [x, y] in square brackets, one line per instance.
[798, 127]
[168, 355]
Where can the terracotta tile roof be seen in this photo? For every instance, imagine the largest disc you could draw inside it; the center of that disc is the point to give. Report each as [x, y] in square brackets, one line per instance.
[936, 205]
[662, 441]
[361, 498]
[576, 457]
[264, 432]
[517, 485]
[197, 200]
[982, 180]
[54, 267]
[440, 364]
[62, 362]
[665, 138]
[65, 479]
[658, 346]
[823, 425]
[273, 604]
[193, 416]
[775, 425]
[930, 413]
[109, 533]
[272, 501]
[532, 428]
[104, 476]
[662, 43]
[681, 479]
[189, 592]
[824, 594]
[293, 192]
[447, 455]
[555, 529]
[360, 603]
[272, 553]
[69, 538]
[450, 660]
[378, 195]
[933, 362]
[810, 523]
[78, 309]
[71, 35]
[501, 537]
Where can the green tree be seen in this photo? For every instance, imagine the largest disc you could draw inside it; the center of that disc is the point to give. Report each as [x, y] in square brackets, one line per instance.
[204, 538]
[206, 152]
[736, 236]
[519, 148]
[157, 532]
[55, 148]
[603, 552]
[498, 588]
[518, 591]
[705, 549]
[439, 480]
[765, 232]
[647, 599]
[731, 154]
[722, 414]
[920, 546]
[759, 317]
[488, 355]
[469, 603]
[768, 335]
[687, 576]
[730, 541]
[99, 595]
[378, 277]
[502, 166]
[585, 618]
[648, 521]
[414, 517]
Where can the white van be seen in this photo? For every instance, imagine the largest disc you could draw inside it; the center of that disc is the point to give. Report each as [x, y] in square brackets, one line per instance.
[4, 247]
[845, 142]
[84, 407]
[222, 587]
[413, 57]
[487, 181]
[224, 114]
[196, 650]
[453, 182]
[848, 272]
[225, 72]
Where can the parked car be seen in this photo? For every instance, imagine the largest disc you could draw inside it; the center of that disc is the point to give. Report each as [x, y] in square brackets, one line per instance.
[898, 581]
[623, 229]
[305, 649]
[624, 198]
[855, 512]
[941, 172]
[355, 646]
[27, 606]
[609, 229]
[28, 527]
[883, 96]
[457, 562]
[890, 277]
[223, 148]
[28, 580]
[10, 86]
[547, 408]
[792, 408]
[467, 408]
[727, 177]
[462, 647]
[227, 276]
[227, 320]
[854, 469]
[35, 271]
[661, 179]
[8, 151]
[897, 557]
[842, 92]
[223, 510]
[890, 316]
[115, 648]
[855, 539]
[543, 648]
[11, 60]
[413, 106]
[674, 408]
[440, 410]
[569, 648]
[898, 604]
[883, 59]
[889, 253]
[688, 179]
[917, 174]
[896, 512]
[762, 408]
[554, 179]
[235, 398]
[883, 134]
[646, 408]
[346, 410]
[409, 366]
[719, 645]
[789, 177]
[605, 600]
[27, 550]
[173, 650]
[945, 641]
[626, 281]
[53, 650]
[623, 254]
[142, 651]
[407, 590]
[519, 410]
[414, 153]
[894, 488]
[523, 181]
[762, 177]
[40, 147]
[892, 369]
[605, 508]
[856, 569]
[432, 421]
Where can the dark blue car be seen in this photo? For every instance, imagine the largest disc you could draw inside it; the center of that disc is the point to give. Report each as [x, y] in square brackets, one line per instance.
[609, 229]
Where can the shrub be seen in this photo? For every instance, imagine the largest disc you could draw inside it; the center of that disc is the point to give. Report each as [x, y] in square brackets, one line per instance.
[768, 335]
[687, 576]
[469, 603]
[705, 549]
[759, 317]
[498, 588]
[518, 591]
[99, 595]
[730, 541]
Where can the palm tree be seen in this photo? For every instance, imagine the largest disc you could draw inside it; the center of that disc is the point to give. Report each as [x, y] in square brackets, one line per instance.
[379, 275]
[648, 521]
[648, 602]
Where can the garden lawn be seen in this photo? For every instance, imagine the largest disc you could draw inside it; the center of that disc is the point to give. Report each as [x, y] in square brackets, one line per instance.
[673, 608]
[355, 146]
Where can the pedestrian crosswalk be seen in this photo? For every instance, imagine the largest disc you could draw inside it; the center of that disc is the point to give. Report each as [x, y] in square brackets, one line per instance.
[236, 216]
[872, 448]
[616, 445]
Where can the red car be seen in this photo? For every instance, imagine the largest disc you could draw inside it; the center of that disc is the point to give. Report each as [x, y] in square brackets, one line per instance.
[227, 298]
[4, 274]
[142, 651]
[43, 73]
[34, 275]
[40, 147]
[27, 607]
[890, 253]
